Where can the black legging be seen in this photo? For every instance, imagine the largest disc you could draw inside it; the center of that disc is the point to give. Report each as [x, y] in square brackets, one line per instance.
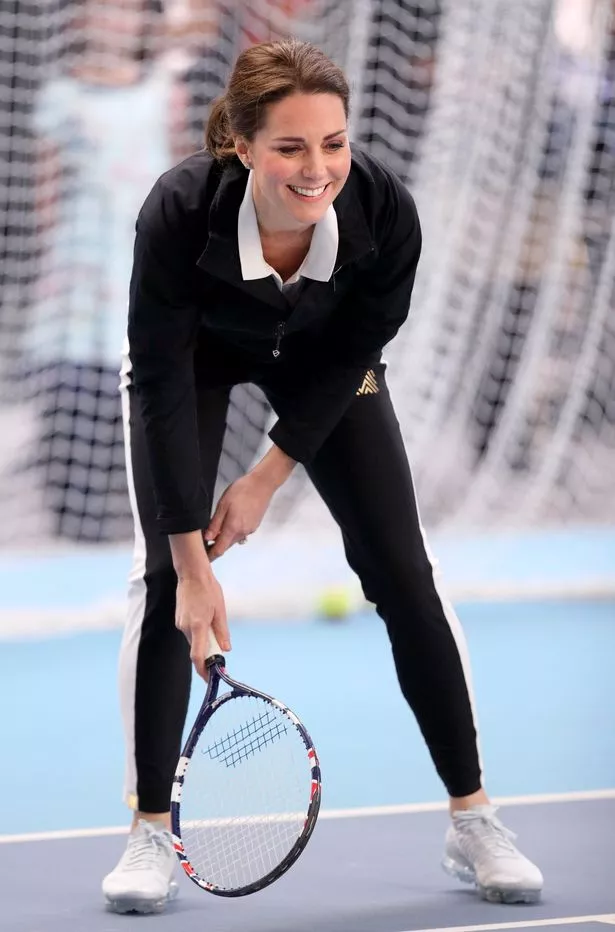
[363, 476]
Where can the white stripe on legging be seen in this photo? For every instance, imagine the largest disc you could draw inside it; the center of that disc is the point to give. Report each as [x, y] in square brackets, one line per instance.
[135, 611]
[454, 624]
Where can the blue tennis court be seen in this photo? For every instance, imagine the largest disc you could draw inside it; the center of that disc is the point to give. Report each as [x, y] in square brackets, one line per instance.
[546, 695]
[498, 117]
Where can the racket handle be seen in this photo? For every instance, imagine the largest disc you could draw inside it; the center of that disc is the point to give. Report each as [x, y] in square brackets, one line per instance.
[213, 648]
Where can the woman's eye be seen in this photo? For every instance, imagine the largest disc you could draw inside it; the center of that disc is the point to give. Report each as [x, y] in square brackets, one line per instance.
[292, 150]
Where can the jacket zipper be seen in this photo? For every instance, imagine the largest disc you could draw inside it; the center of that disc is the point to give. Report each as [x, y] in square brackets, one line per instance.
[279, 333]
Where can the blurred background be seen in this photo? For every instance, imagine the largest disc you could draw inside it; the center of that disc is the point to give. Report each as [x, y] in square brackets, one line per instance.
[499, 115]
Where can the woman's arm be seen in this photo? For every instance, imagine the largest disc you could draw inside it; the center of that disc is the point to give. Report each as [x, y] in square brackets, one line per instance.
[189, 557]
[162, 330]
[187, 549]
[244, 504]
[369, 317]
[274, 468]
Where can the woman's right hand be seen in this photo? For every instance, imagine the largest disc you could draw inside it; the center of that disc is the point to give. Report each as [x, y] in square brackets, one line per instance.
[199, 608]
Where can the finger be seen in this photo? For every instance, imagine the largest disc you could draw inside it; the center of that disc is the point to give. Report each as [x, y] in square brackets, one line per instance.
[198, 652]
[225, 540]
[221, 629]
[216, 523]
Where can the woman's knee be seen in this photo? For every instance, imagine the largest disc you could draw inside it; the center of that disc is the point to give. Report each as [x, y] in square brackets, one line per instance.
[403, 584]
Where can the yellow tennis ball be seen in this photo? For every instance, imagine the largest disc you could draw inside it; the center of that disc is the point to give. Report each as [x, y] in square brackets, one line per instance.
[334, 602]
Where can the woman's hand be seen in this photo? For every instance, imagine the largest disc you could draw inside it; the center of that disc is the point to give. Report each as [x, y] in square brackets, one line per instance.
[199, 609]
[242, 507]
[239, 513]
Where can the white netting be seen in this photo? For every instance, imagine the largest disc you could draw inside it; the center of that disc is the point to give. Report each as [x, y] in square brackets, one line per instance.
[499, 115]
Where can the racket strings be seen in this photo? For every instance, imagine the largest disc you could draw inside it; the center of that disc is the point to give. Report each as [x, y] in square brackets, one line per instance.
[247, 739]
[235, 853]
[246, 794]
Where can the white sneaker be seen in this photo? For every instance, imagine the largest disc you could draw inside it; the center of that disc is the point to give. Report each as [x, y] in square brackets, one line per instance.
[479, 850]
[143, 881]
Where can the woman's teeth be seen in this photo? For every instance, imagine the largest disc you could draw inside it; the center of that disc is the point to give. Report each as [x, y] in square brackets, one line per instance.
[308, 192]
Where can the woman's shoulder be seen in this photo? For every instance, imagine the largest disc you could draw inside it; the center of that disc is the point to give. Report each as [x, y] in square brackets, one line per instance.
[381, 192]
[370, 168]
[182, 195]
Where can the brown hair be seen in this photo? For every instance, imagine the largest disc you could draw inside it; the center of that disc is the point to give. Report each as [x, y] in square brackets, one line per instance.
[265, 74]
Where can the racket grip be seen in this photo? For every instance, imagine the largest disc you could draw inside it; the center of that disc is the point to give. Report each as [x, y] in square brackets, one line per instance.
[213, 648]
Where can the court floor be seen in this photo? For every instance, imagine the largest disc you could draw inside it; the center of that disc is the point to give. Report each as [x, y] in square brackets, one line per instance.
[365, 873]
[543, 678]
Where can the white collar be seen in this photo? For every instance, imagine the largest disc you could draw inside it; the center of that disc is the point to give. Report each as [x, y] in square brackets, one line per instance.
[319, 262]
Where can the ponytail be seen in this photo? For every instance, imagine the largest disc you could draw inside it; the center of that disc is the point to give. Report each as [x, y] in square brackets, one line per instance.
[218, 138]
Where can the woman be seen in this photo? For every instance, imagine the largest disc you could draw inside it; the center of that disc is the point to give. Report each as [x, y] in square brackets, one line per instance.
[279, 257]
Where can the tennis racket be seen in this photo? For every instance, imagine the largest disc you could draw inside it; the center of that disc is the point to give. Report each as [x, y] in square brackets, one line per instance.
[246, 791]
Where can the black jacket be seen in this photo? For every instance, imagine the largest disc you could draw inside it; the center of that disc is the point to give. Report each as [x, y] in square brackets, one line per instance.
[187, 289]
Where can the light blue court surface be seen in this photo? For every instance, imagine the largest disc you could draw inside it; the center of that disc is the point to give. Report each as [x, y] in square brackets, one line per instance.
[545, 690]
[544, 681]
[281, 575]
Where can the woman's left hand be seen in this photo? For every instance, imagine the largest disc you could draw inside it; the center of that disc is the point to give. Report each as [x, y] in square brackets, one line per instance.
[239, 513]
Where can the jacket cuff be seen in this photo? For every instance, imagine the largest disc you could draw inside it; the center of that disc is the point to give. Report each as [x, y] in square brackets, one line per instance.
[293, 446]
[183, 523]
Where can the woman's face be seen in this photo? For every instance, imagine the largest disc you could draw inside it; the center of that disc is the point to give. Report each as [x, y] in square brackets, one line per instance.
[301, 160]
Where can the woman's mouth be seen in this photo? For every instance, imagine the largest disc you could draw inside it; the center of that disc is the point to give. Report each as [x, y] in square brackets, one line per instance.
[308, 194]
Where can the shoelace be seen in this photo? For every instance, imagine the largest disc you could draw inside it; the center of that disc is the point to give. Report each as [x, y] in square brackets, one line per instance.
[485, 828]
[143, 848]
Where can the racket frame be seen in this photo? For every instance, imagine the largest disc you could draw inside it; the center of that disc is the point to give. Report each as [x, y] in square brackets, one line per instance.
[211, 702]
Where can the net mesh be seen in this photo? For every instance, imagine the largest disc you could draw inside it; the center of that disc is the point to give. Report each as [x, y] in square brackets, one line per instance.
[245, 795]
[500, 117]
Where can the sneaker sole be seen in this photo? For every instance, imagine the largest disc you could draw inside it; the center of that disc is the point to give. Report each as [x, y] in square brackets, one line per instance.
[141, 905]
[502, 895]
[510, 895]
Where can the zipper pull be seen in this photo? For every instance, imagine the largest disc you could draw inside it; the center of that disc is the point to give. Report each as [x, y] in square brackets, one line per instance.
[279, 333]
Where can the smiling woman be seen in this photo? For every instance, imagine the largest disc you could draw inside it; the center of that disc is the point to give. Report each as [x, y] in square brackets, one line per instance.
[284, 257]
[297, 178]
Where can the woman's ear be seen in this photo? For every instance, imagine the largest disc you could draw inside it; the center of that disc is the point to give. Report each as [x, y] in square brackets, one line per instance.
[241, 148]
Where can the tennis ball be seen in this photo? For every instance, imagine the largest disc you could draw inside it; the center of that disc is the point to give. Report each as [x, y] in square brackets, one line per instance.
[335, 602]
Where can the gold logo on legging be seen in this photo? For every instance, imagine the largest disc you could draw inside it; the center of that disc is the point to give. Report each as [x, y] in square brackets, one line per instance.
[369, 386]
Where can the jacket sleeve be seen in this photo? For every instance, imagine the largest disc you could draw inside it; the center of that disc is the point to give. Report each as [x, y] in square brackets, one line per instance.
[368, 319]
[162, 329]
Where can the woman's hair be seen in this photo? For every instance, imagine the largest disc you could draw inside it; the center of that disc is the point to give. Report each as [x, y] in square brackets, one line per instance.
[265, 74]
